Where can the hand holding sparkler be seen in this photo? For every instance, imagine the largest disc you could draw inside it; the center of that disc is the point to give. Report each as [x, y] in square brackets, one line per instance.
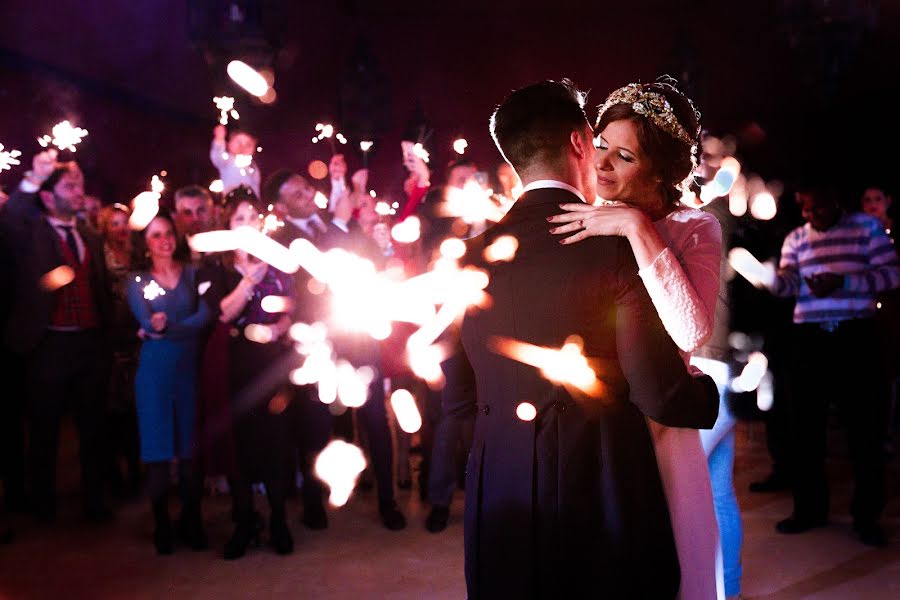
[360, 180]
[219, 134]
[748, 267]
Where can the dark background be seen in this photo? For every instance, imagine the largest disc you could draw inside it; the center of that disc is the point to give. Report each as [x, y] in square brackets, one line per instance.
[808, 87]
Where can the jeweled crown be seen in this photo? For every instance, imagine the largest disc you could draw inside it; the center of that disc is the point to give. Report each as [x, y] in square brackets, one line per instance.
[654, 106]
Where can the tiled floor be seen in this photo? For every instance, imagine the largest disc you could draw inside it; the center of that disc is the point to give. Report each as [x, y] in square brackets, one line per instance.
[357, 559]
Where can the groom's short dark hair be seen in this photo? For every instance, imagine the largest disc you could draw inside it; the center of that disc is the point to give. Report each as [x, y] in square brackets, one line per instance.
[534, 122]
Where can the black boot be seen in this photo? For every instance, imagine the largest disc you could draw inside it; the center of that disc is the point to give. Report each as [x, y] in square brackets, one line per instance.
[245, 533]
[280, 535]
[163, 537]
[190, 529]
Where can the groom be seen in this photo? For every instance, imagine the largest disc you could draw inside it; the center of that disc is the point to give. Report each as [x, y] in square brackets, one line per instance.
[569, 504]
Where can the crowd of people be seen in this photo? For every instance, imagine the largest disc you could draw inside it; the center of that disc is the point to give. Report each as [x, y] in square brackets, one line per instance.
[149, 343]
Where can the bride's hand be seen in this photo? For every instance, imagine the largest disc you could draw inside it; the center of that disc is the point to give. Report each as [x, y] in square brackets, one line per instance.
[585, 220]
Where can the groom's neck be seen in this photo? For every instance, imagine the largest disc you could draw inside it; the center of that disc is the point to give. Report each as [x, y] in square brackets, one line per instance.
[540, 172]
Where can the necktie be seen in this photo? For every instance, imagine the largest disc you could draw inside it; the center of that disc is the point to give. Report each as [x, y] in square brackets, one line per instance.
[70, 242]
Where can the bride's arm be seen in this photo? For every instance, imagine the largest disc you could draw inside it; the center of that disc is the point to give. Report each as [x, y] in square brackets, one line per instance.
[684, 288]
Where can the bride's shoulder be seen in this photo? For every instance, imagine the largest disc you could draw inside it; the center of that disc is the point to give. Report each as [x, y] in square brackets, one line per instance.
[694, 220]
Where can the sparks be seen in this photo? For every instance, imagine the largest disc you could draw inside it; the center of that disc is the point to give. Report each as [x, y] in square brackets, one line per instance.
[419, 150]
[64, 136]
[366, 145]
[153, 290]
[225, 106]
[566, 365]
[460, 145]
[404, 406]
[8, 158]
[338, 466]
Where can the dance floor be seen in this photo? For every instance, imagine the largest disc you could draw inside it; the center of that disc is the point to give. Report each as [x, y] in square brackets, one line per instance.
[356, 558]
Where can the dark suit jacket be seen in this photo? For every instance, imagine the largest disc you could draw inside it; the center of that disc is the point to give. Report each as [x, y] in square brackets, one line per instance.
[35, 251]
[569, 505]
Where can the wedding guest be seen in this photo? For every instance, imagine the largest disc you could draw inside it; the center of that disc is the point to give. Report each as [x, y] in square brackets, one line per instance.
[257, 376]
[163, 295]
[58, 312]
[193, 214]
[834, 266]
[235, 160]
[121, 419]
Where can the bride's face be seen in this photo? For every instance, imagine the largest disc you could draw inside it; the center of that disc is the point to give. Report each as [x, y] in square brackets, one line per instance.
[624, 172]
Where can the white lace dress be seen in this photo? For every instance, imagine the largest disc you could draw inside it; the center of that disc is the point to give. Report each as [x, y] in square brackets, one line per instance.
[683, 283]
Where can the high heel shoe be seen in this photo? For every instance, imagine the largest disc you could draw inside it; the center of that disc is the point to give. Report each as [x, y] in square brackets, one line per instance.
[245, 533]
[280, 536]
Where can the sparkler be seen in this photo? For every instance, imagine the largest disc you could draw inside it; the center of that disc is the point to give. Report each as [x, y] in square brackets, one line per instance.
[460, 145]
[419, 150]
[250, 240]
[277, 304]
[338, 466]
[217, 186]
[453, 248]
[64, 136]
[763, 206]
[566, 365]
[327, 131]
[59, 277]
[144, 208]
[153, 290]
[407, 231]
[8, 158]
[472, 204]
[752, 374]
[404, 406]
[365, 146]
[248, 78]
[748, 267]
[225, 106]
[526, 411]
[321, 200]
[502, 250]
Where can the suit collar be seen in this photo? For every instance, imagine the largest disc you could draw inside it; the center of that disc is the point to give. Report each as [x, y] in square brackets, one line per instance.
[541, 184]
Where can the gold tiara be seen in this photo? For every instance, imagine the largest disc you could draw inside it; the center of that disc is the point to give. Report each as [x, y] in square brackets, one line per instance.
[656, 107]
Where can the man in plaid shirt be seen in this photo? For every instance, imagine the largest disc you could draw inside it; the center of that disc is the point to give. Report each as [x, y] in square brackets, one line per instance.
[835, 265]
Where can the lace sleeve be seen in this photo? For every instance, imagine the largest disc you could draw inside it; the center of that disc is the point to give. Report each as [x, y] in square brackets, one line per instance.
[684, 288]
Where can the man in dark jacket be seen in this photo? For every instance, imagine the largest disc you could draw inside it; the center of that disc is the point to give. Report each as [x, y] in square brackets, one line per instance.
[568, 504]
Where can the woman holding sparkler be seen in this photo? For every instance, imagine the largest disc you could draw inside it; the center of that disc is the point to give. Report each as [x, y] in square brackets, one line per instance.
[258, 366]
[647, 139]
[171, 314]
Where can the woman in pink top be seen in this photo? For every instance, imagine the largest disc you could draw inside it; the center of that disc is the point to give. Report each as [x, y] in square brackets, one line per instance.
[647, 138]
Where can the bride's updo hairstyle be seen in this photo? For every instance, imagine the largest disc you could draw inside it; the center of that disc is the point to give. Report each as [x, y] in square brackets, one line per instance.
[668, 130]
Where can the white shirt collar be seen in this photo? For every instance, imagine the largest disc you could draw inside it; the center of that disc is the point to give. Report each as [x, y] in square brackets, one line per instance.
[552, 183]
[60, 223]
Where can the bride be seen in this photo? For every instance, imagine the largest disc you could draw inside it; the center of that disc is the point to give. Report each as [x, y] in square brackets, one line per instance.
[647, 136]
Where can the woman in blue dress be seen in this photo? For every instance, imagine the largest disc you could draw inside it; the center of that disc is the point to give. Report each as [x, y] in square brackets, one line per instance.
[165, 301]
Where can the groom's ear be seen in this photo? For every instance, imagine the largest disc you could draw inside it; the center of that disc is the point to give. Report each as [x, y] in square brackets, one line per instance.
[577, 142]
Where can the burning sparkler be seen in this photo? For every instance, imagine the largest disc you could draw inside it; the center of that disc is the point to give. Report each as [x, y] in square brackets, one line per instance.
[365, 146]
[248, 78]
[225, 106]
[153, 290]
[566, 365]
[338, 466]
[460, 145]
[419, 150]
[404, 406]
[747, 266]
[8, 158]
[64, 136]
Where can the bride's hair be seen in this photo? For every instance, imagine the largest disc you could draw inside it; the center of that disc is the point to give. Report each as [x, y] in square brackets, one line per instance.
[670, 156]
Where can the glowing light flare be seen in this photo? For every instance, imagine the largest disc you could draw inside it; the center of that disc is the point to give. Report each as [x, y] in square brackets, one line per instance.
[156, 184]
[453, 248]
[460, 145]
[425, 363]
[747, 266]
[765, 392]
[216, 186]
[752, 373]
[261, 334]
[502, 250]
[419, 150]
[57, 278]
[526, 411]
[472, 204]
[242, 161]
[407, 412]
[383, 208]
[203, 287]
[64, 136]
[153, 290]
[277, 304]
[407, 231]
[566, 365]
[366, 145]
[763, 206]
[9, 158]
[271, 223]
[321, 200]
[144, 208]
[340, 137]
[225, 106]
[338, 466]
[250, 240]
[353, 384]
[326, 131]
[247, 77]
